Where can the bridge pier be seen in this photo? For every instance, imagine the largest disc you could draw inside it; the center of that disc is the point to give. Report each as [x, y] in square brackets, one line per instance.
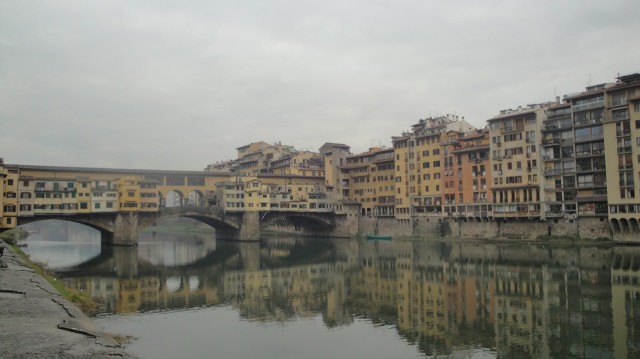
[250, 228]
[125, 230]
[126, 227]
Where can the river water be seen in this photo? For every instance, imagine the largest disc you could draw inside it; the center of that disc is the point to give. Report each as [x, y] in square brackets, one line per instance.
[190, 296]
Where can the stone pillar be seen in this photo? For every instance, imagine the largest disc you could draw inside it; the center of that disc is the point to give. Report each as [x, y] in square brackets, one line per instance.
[125, 229]
[250, 228]
[347, 224]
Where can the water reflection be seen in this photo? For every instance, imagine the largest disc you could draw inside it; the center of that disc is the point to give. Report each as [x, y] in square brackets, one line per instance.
[514, 300]
[58, 244]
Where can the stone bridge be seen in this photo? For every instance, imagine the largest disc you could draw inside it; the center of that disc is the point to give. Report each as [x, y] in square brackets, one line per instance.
[122, 228]
[118, 228]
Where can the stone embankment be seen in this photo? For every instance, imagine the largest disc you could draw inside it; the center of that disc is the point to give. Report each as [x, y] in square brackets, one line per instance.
[37, 322]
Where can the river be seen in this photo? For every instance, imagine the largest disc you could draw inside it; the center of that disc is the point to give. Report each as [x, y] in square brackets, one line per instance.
[189, 296]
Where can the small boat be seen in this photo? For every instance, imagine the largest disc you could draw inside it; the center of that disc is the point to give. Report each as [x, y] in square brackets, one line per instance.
[378, 237]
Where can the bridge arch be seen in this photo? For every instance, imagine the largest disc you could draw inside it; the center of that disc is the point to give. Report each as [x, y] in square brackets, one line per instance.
[106, 231]
[615, 226]
[226, 227]
[195, 198]
[174, 198]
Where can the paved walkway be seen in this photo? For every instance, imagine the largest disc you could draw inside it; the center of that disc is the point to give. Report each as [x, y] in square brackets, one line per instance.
[37, 322]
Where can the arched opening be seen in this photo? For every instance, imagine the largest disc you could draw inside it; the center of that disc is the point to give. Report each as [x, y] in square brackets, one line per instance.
[173, 284]
[174, 199]
[633, 225]
[615, 226]
[624, 225]
[195, 199]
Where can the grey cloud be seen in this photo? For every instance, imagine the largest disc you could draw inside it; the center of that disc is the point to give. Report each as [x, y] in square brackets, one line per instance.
[178, 85]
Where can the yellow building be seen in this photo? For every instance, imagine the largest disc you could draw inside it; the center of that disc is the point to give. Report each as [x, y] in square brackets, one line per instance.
[10, 198]
[135, 195]
[83, 194]
[514, 158]
[274, 193]
[622, 153]
[53, 196]
[419, 165]
[367, 178]
[297, 163]
[334, 156]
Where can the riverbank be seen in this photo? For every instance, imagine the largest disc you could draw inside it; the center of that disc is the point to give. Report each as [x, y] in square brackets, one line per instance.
[38, 322]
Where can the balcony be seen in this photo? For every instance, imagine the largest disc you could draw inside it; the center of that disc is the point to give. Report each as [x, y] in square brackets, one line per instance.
[589, 138]
[618, 116]
[588, 106]
[619, 102]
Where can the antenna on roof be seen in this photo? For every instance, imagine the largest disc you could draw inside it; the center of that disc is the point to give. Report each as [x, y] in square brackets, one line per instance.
[589, 79]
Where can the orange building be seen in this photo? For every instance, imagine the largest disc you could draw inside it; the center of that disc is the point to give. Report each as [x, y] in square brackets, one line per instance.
[465, 175]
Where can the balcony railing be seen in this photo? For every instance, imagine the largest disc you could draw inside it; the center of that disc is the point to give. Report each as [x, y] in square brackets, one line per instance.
[588, 106]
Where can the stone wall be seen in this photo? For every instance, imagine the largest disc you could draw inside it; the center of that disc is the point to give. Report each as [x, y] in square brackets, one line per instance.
[353, 224]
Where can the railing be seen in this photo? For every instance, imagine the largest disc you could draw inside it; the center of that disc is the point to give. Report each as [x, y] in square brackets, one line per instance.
[619, 102]
[588, 106]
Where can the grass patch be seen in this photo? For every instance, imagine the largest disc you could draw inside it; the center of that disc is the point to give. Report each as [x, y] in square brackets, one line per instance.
[12, 236]
[79, 299]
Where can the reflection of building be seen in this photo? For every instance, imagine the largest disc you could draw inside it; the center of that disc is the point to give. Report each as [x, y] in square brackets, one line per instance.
[522, 296]
[625, 303]
[523, 301]
[283, 293]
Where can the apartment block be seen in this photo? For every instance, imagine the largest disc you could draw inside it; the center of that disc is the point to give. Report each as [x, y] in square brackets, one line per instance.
[587, 110]
[622, 153]
[419, 163]
[334, 156]
[368, 179]
[558, 158]
[466, 174]
[514, 161]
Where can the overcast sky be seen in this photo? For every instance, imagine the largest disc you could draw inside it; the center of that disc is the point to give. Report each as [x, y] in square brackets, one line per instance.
[181, 84]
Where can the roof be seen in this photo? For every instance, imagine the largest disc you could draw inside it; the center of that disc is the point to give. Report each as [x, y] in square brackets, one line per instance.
[113, 170]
